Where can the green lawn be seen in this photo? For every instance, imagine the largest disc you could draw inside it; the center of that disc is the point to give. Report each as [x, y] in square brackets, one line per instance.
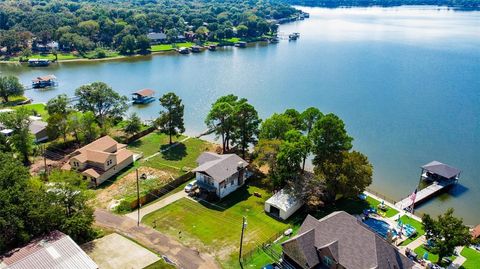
[416, 224]
[37, 109]
[12, 101]
[390, 211]
[473, 258]
[216, 228]
[167, 47]
[151, 143]
[181, 157]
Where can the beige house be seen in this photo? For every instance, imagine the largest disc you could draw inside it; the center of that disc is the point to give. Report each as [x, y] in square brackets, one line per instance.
[100, 160]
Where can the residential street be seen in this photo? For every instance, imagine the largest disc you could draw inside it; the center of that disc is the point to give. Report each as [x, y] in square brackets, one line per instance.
[184, 257]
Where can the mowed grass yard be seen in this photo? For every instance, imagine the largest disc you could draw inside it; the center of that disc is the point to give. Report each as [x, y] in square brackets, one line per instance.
[416, 224]
[374, 202]
[473, 258]
[181, 157]
[216, 228]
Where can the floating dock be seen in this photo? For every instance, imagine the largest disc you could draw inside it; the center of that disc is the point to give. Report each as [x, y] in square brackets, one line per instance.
[439, 176]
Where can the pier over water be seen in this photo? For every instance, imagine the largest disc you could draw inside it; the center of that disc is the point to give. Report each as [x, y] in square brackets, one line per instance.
[438, 176]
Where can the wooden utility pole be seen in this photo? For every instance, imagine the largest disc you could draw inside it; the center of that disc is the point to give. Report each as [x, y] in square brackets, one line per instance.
[45, 162]
[244, 225]
[138, 200]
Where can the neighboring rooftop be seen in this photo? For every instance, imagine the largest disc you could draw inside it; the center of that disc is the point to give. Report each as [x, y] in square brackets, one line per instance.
[37, 126]
[145, 92]
[156, 36]
[349, 241]
[476, 231]
[441, 169]
[283, 200]
[54, 251]
[219, 167]
[45, 78]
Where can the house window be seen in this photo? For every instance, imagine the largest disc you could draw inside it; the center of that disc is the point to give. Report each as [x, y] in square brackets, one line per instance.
[232, 181]
[76, 164]
[327, 261]
[109, 162]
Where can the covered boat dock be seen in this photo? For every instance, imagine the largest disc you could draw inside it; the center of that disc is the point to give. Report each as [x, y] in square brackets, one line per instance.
[438, 176]
[144, 96]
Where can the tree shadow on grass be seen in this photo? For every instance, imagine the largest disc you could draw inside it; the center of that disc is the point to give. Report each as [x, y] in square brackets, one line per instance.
[136, 144]
[175, 153]
[239, 195]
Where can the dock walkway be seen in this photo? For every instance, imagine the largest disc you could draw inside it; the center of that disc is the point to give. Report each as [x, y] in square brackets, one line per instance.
[423, 194]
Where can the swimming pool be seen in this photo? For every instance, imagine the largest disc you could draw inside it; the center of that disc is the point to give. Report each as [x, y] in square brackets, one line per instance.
[379, 226]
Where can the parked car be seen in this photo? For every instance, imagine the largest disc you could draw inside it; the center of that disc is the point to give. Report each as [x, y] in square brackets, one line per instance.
[191, 186]
[477, 247]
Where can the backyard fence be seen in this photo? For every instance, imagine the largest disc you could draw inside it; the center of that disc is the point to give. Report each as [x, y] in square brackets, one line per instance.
[140, 134]
[157, 193]
[379, 195]
[266, 247]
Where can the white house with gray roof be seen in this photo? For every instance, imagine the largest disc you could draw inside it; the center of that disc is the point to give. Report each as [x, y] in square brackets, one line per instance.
[220, 174]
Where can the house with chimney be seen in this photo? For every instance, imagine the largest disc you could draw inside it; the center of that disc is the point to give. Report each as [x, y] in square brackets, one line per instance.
[220, 175]
[100, 160]
[340, 241]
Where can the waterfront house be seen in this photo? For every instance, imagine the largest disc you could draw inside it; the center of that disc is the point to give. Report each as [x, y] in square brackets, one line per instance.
[476, 232]
[44, 81]
[38, 129]
[157, 38]
[100, 160]
[282, 205]
[144, 96]
[45, 48]
[220, 175]
[54, 250]
[340, 240]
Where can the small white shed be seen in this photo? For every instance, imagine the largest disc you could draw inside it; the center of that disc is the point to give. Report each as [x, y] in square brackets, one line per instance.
[282, 205]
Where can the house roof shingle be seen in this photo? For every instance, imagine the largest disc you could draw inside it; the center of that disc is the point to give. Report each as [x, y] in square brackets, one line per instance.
[219, 167]
[351, 243]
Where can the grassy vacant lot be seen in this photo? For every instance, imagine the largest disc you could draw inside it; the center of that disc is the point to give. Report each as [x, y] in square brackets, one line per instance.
[180, 157]
[37, 109]
[167, 47]
[12, 101]
[473, 258]
[416, 224]
[390, 211]
[216, 228]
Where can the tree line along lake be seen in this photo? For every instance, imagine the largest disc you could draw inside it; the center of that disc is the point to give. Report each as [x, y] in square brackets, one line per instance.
[406, 81]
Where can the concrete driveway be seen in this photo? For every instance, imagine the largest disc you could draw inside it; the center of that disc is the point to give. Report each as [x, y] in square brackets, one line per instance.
[117, 252]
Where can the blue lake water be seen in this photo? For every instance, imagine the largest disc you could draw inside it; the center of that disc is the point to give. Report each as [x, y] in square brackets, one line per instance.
[405, 80]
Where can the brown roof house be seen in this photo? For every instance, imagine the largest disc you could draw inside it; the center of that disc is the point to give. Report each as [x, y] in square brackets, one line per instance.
[339, 240]
[100, 160]
[220, 174]
[476, 232]
[53, 251]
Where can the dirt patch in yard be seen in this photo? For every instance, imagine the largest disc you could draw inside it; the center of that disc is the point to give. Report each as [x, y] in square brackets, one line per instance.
[127, 185]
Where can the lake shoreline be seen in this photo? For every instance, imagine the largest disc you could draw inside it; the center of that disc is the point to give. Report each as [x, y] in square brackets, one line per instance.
[170, 51]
